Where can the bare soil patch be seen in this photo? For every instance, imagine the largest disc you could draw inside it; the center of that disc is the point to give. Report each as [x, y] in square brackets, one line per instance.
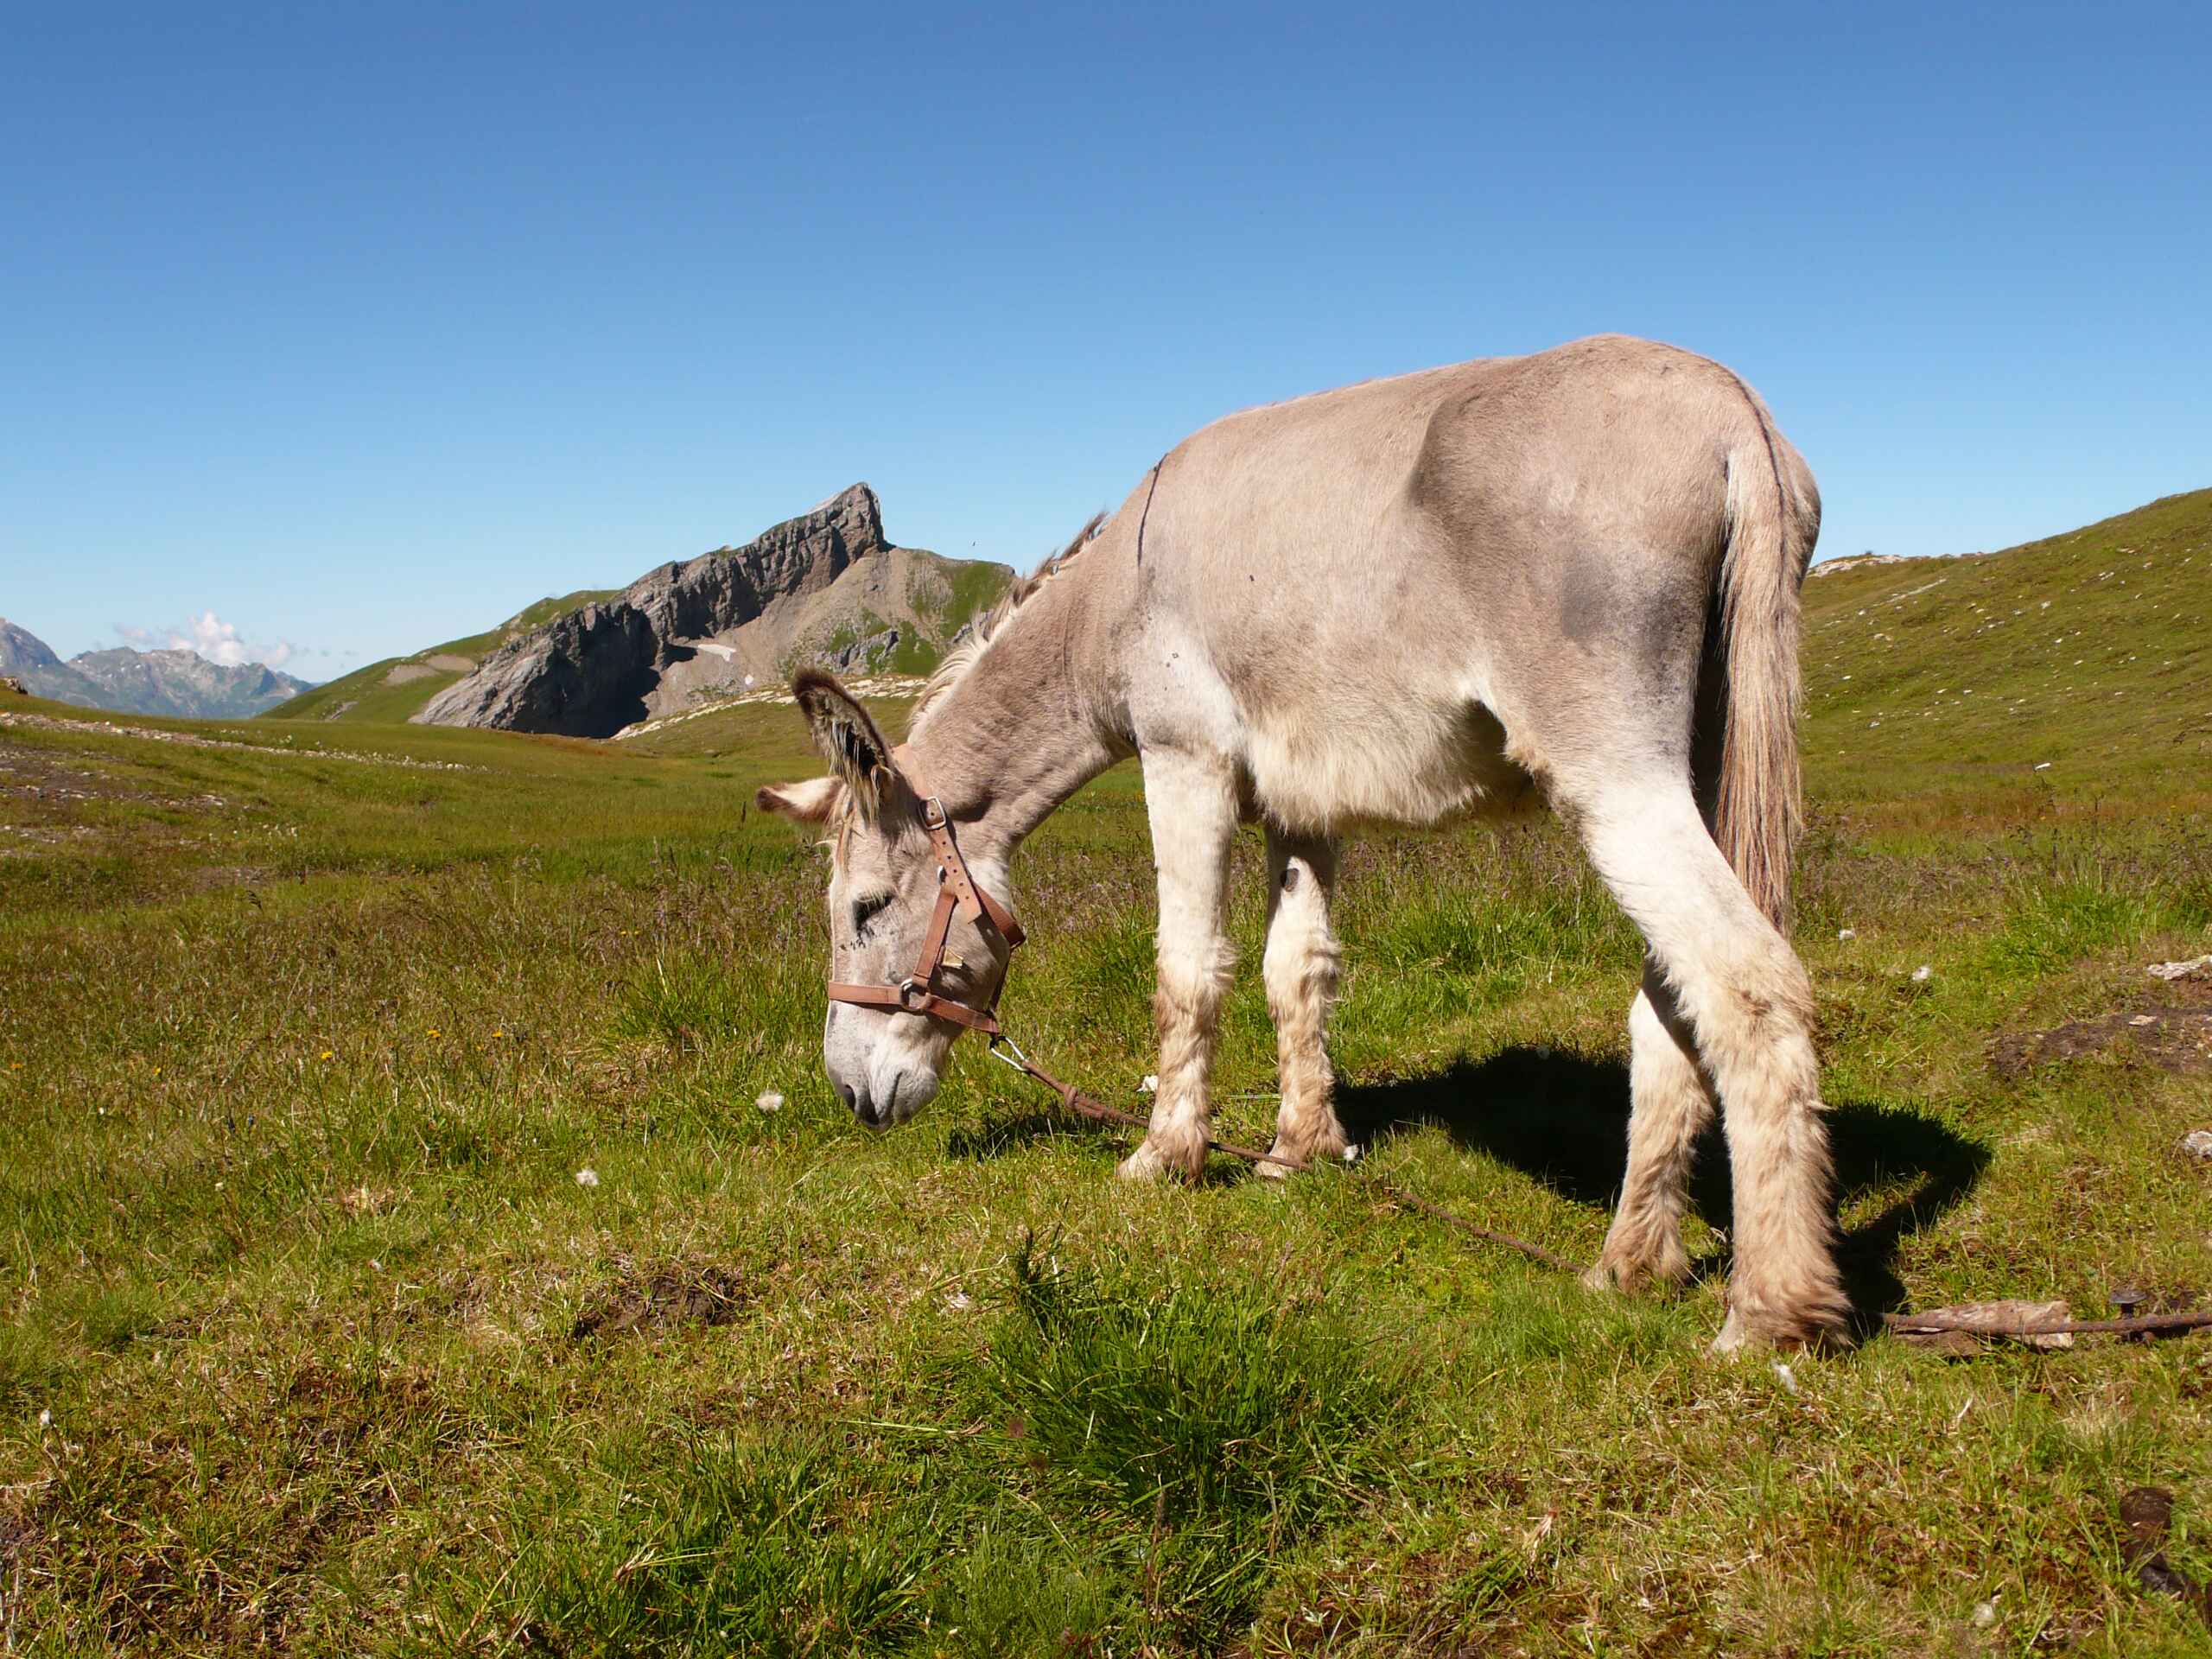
[2174, 1036]
[677, 1293]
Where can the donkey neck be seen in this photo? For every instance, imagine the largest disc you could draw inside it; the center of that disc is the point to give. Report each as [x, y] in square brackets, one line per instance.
[1018, 732]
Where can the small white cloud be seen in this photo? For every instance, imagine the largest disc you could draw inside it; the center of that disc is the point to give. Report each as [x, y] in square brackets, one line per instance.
[219, 641]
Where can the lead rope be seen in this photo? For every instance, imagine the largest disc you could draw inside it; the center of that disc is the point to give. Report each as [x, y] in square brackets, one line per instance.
[1008, 1053]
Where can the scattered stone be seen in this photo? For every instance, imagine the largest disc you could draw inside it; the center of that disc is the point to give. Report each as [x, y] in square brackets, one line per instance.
[2189, 969]
[1846, 934]
[192, 741]
[2197, 1143]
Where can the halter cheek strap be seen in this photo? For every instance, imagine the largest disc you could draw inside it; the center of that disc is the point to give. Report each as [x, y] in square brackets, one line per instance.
[957, 895]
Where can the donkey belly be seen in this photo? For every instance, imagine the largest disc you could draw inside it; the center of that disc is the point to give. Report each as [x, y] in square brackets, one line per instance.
[1410, 760]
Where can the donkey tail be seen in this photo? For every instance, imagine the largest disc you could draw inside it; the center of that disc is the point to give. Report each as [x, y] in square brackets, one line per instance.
[1772, 516]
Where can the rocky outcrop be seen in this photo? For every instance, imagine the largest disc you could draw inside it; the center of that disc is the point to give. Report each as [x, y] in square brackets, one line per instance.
[827, 585]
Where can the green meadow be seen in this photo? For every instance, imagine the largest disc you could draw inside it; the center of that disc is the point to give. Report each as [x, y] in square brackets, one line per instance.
[425, 1227]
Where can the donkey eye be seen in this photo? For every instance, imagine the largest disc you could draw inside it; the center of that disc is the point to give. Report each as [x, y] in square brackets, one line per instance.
[866, 911]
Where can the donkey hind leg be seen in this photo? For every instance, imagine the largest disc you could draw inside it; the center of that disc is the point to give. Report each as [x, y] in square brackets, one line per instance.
[1301, 968]
[1671, 1104]
[1749, 1007]
[1191, 802]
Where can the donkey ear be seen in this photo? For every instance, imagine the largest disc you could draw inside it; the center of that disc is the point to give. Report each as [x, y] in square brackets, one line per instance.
[813, 802]
[859, 757]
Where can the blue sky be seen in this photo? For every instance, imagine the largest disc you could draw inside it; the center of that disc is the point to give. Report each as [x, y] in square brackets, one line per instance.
[361, 326]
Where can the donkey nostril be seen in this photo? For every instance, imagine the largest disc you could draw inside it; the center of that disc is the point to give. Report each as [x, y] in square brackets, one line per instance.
[845, 1094]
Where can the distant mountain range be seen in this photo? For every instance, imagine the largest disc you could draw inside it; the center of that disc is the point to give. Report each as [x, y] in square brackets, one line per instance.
[178, 682]
[827, 587]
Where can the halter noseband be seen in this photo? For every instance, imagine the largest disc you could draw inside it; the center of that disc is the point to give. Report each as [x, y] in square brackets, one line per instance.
[957, 895]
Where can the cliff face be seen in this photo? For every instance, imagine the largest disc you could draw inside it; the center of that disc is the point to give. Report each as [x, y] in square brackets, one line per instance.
[826, 586]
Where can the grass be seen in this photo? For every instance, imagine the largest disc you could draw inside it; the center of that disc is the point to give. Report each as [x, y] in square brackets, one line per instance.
[316, 1343]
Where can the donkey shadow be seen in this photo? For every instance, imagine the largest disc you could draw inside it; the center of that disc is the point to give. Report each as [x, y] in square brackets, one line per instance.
[1562, 1117]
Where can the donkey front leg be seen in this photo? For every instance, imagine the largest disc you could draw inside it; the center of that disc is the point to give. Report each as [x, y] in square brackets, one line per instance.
[1302, 969]
[1191, 801]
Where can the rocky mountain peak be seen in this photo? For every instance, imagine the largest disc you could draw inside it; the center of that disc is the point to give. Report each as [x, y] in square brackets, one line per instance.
[828, 584]
[172, 681]
[20, 648]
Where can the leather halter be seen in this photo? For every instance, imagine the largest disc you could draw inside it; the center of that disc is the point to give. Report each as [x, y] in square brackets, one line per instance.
[957, 895]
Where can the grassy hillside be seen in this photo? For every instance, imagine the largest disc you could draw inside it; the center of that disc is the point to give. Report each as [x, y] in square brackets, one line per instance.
[369, 696]
[1949, 681]
[317, 1342]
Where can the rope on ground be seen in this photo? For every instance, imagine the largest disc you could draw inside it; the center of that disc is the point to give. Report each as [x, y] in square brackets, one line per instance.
[1934, 1322]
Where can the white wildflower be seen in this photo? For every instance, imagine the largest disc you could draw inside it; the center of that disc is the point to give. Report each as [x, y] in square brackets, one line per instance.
[1150, 1083]
[770, 1101]
[587, 1178]
[1847, 932]
[1922, 973]
[1786, 1378]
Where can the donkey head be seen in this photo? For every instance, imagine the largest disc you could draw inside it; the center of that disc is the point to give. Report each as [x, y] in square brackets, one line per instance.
[883, 887]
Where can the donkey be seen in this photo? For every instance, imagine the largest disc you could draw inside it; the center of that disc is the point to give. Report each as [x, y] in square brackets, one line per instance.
[1575, 573]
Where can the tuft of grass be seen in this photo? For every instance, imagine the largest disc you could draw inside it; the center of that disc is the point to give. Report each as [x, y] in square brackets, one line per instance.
[1185, 1402]
[734, 1546]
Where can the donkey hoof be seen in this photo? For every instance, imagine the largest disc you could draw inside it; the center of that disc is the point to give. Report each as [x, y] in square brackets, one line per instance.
[1143, 1165]
[1824, 1332]
[1159, 1156]
[1657, 1274]
[1268, 1169]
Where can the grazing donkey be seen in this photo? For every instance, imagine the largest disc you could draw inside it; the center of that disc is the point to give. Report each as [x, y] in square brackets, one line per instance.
[1417, 597]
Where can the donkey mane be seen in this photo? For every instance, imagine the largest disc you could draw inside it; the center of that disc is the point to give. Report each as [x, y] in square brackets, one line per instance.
[965, 655]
